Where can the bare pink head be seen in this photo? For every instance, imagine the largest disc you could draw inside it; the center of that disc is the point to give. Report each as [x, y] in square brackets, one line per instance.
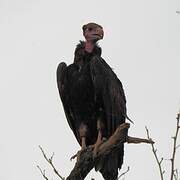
[93, 32]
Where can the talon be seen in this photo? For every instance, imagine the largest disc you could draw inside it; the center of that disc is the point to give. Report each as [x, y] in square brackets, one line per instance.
[92, 146]
[78, 154]
[96, 147]
[73, 157]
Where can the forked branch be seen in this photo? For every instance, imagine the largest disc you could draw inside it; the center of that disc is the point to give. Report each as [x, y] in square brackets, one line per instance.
[50, 161]
[159, 162]
[174, 173]
[43, 172]
[87, 161]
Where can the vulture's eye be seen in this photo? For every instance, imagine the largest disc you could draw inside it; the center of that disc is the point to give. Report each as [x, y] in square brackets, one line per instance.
[90, 29]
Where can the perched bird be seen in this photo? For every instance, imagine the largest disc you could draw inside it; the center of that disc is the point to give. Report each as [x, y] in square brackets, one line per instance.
[93, 98]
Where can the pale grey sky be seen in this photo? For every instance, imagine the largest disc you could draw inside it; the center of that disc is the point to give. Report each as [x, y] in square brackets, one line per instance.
[141, 43]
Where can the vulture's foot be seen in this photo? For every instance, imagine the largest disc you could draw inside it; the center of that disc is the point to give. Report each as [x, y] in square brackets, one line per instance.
[83, 147]
[97, 145]
[78, 154]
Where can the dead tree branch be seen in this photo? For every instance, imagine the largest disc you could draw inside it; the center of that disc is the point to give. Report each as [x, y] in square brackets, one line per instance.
[43, 173]
[50, 161]
[176, 175]
[86, 161]
[159, 162]
[135, 140]
[173, 171]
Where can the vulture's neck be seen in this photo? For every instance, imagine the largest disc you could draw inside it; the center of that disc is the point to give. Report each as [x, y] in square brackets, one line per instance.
[89, 46]
[83, 49]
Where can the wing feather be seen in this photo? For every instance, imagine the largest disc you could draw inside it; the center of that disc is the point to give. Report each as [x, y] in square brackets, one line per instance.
[108, 86]
[64, 95]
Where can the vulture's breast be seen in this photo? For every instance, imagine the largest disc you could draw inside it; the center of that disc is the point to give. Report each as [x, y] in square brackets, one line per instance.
[81, 88]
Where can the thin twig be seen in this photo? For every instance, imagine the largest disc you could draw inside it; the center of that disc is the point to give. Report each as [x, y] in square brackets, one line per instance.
[49, 160]
[174, 147]
[123, 173]
[177, 146]
[43, 173]
[159, 162]
[176, 174]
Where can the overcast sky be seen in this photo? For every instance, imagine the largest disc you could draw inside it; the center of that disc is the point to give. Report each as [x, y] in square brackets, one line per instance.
[141, 44]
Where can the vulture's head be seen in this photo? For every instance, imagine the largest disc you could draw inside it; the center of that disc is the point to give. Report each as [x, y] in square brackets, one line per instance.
[93, 32]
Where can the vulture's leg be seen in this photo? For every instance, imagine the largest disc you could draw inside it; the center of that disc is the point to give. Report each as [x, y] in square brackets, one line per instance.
[82, 134]
[99, 141]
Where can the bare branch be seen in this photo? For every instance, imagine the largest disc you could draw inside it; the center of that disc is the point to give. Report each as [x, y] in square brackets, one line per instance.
[49, 160]
[174, 148]
[176, 175]
[86, 161]
[43, 173]
[135, 140]
[177, 146]
[159, 162]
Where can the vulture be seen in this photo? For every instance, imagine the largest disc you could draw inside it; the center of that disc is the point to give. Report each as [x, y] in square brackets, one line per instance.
[93, 98]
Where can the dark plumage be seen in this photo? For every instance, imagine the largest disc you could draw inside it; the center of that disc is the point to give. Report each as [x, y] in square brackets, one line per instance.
[94, 101]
